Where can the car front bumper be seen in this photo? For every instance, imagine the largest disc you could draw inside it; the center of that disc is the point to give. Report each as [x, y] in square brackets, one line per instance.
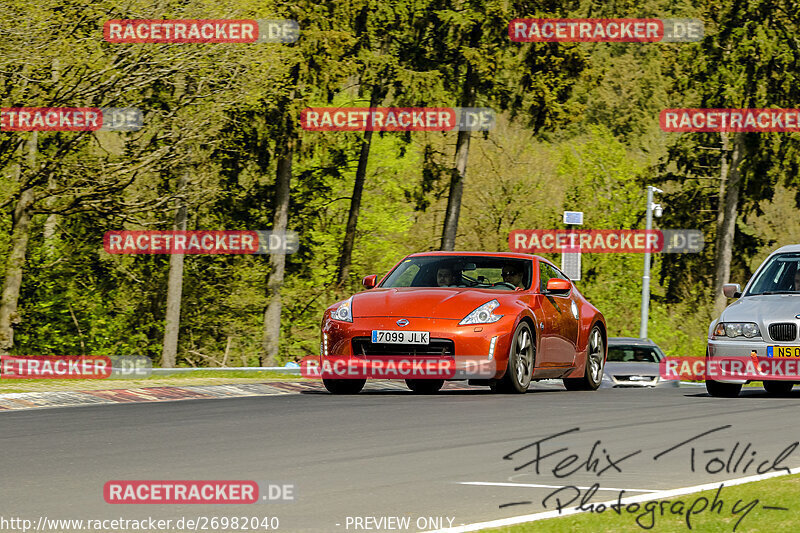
[618, 383]
[487, 341]
[737, 348]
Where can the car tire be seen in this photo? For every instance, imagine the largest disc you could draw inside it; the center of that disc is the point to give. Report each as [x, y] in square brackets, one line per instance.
[719, 389]
[778, 388]
[425, 386]
[344, 386]
[521, 359]
[595, 364]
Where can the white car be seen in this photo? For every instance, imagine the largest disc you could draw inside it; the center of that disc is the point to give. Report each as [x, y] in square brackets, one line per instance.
[765, 317]
[634, 363]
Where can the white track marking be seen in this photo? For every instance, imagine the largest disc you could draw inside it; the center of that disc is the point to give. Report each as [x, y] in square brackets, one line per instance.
[537, 486]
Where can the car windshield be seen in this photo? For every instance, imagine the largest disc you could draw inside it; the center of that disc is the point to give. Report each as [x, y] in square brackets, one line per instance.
[481, 272]
[633, 354]
[780, 275]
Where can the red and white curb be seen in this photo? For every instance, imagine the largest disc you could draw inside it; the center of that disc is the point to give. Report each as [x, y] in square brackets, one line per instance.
[50, 399]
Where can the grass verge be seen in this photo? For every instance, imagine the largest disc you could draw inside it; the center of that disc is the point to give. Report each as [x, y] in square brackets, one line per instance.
[200, 377]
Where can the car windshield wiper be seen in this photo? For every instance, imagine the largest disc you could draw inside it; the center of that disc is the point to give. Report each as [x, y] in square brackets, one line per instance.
[779, 292]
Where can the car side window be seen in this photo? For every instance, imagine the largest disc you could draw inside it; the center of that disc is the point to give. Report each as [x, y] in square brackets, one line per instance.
[545, 273]
[559, 274]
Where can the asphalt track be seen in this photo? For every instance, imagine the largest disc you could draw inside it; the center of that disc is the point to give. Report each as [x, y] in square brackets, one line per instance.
[388, 453]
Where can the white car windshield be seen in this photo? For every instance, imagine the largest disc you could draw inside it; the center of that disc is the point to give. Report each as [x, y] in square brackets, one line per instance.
[780, 275]
[634, 353]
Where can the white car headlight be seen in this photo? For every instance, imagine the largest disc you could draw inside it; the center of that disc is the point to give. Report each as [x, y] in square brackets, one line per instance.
[750, 330]
[737, 329]
[482, 315]
[344, 312]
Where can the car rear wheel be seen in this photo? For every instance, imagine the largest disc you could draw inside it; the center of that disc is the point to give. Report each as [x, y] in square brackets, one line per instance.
[778, 388]
[344, 386]
[520, 363]
[595, 360]
[719, 389]
[425, 386]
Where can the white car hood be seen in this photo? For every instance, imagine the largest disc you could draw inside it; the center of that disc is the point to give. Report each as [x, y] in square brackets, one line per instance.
[764, 309]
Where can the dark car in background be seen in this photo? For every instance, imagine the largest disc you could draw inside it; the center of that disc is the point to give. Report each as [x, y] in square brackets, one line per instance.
[634, 362]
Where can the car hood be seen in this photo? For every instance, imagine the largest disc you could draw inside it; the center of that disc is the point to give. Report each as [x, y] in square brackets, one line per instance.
[443, 302]
[763, 309]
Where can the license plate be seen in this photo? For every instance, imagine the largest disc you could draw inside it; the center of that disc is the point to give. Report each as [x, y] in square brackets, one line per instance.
[783, 351]
[380, 336]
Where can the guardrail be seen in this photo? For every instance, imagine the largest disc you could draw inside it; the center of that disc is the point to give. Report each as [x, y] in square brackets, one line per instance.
[280, 369]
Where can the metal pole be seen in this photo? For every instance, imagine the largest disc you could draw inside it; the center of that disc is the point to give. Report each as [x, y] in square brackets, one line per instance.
[646, 274]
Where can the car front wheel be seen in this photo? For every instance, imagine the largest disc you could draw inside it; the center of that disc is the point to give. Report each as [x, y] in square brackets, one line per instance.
[425, 386]
[521, 358]
[595, 359]
[778, 388]
[723, 390]
[344, 386]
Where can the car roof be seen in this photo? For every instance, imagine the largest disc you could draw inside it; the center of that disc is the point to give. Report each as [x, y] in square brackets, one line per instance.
[630, 341]
[509, 255]
[787, 248]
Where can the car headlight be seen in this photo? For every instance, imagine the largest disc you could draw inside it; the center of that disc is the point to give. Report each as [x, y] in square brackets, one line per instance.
[344, 312]
[482, 315]
[737, 329]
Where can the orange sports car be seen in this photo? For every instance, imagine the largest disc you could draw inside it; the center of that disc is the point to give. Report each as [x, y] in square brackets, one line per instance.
[516, 311]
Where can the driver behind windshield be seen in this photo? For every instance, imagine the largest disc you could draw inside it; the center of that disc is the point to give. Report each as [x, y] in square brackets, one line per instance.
[444, 276]
[513, 275]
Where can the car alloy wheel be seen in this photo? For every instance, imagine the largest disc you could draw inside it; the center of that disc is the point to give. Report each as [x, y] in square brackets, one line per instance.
[595, 359]
[521, 358]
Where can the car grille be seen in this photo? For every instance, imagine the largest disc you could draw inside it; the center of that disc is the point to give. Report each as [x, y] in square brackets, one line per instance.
[784, 331]
[635, 377]
[364, 346]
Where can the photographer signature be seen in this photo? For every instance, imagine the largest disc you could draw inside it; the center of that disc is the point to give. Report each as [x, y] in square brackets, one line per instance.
[550, 456]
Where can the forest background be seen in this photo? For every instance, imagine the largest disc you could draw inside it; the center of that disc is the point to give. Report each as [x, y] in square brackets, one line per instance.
[222, 148]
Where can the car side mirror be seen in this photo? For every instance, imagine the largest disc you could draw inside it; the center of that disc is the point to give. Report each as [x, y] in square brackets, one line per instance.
[731, 290]
[558, 286]
[370, 281]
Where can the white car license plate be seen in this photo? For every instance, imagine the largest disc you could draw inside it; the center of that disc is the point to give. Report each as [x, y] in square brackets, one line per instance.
[380, 336]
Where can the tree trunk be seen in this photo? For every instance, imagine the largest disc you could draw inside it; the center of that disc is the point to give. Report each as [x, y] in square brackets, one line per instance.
[50, 223]
[355, 201]
[458, 174]
[172, 320]
[731, 180]
[20, 234]
[272, 314]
